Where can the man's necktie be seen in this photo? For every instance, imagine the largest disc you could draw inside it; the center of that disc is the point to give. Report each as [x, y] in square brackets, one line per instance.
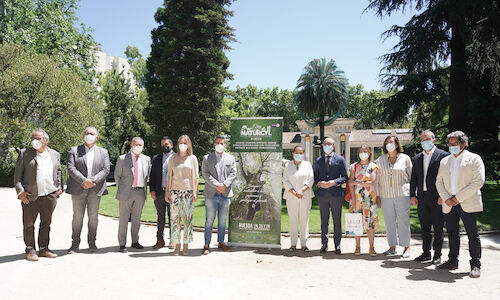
[328, 164]
[136, 171]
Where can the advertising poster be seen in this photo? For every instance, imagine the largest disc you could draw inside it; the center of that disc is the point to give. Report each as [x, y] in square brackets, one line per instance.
[255, 212]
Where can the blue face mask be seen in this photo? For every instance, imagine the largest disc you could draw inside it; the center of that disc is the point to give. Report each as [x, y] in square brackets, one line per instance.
[298, 157]
[427, 145]
[328, 149]
[454, 149]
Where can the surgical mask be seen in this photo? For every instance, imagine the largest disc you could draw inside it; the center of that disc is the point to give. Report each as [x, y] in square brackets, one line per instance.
[166, 149]
[36, 144]
[454, 149]
[298, 157]
[390, 147]
[90, 139]
[427, 145]
[219, 148]
[183, 147]
[137, 149]
[328, 149]
[364, 155]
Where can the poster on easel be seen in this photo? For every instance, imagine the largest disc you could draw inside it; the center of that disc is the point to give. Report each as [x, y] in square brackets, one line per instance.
[255, 211]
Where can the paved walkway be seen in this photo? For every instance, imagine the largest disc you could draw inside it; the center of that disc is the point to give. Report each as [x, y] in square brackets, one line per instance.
[240, 274]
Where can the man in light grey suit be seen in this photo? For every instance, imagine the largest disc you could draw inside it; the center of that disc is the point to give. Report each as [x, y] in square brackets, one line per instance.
[131, 177]
[219, 170]
[88, 167]
[38, 182]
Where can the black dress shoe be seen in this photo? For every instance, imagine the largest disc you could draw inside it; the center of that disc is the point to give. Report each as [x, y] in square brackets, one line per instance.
[423, 257]
[337, 251]
[448, 265]
[137, 246]
[123, 249]
[73, 250]
[323, 249]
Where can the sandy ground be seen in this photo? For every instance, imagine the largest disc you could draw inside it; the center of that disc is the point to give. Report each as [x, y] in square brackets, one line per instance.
[240, 274]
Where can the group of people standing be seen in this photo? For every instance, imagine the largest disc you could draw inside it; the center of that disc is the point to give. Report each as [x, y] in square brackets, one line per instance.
[446, 188]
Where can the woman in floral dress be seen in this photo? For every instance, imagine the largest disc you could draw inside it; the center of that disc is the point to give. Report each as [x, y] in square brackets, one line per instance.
[362, 177]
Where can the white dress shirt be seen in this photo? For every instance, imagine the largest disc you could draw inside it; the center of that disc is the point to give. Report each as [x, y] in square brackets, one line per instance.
[140, 179]
[454, 167]
[297, 179]
[44, 174]
[426, 162]
[219, 165]
[89, 155]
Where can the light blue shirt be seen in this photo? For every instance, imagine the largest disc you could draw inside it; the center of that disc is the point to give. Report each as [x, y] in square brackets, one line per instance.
[164, 168]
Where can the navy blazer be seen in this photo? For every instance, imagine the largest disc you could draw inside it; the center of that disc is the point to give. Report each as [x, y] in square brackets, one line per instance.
[156, 174]
[417, 174]
[337, 172]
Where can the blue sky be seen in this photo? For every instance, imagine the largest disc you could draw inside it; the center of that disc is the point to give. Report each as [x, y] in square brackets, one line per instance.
[276, 38]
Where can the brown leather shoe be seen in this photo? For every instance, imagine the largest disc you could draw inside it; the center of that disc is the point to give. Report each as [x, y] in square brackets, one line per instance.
[223, 247]
[47, 253]
[31, 256]
[159, 244]
[206, 249]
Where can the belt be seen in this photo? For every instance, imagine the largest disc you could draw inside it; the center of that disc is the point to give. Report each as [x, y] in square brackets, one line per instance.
[138, 188]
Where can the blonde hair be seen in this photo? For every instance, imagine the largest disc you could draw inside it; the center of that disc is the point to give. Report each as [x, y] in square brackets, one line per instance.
[369, 152]
[189, 150]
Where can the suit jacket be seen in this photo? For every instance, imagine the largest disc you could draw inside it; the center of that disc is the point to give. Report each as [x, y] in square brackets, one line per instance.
[469, 183]
[212, 179]
[25, 173]
[124, 175]
[337, 172]
[417, 174]
[77, 170]
[155, 179]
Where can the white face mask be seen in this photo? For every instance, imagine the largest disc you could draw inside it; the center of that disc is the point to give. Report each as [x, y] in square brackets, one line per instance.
[137, 149]
[183, 147]
[36, 144]
[390, 147]
[219, 148]
[90, 139]
[364, 155]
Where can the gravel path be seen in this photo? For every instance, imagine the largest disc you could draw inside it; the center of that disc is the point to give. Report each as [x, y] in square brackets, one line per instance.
[240, 274]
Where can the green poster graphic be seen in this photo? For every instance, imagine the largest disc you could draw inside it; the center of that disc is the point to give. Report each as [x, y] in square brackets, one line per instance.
[255, 212]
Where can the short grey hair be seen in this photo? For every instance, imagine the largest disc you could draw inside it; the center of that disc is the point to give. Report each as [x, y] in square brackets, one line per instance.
[460, 135]
[330, 139]
[220, 137]
[45, 134]
[93, 129]
[137, 138]
[427, 131]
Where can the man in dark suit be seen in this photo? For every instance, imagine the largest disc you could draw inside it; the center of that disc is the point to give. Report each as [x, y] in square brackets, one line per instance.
[88, 167]
[38, 182]
[329, 175]
[423, 191]
[157, 182]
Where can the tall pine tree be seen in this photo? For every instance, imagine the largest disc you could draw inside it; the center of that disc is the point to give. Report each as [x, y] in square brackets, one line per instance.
[187, 69]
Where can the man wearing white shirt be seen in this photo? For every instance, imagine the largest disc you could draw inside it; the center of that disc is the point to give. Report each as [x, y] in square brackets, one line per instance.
[38, 182]
[459, 181]
[423, 191]
[88, 166]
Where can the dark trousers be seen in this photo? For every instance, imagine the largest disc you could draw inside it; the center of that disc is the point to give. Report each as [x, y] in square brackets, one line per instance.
[162, 207]
[43, 206]
[452, 226]
[431, 214]
[327, 204]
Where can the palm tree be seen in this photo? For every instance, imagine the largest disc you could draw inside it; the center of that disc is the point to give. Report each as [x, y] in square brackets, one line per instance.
[322, 93]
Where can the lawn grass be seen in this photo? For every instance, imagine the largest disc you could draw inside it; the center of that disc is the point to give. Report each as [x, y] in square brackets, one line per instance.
[487, 220]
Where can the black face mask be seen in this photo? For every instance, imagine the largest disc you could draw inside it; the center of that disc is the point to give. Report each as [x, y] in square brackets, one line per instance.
[166, 149]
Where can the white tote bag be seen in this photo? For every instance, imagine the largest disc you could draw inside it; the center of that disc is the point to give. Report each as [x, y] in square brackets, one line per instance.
[354, 224]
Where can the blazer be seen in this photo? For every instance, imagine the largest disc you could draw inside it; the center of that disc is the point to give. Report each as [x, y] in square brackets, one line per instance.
[469, 183]
[156, 173]
[124, 175]
[337, 172]
[77, 170]
[212, 179]
[296, 179]
[417, 174]
[25, 173]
